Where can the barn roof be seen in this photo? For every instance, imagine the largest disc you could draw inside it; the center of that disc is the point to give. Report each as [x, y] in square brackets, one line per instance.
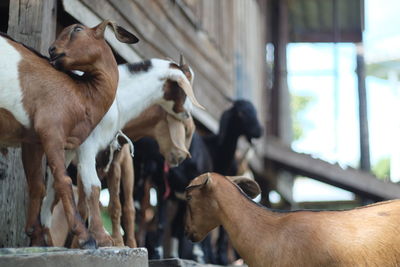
[315, 20]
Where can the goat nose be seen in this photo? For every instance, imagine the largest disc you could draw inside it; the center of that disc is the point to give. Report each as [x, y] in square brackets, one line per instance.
[52, 50]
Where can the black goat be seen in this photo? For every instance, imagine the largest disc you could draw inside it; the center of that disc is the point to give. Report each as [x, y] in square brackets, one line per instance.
[214, 153]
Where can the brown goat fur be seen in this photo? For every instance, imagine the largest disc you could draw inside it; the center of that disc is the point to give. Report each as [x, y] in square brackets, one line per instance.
[365, 236]
[62, 110]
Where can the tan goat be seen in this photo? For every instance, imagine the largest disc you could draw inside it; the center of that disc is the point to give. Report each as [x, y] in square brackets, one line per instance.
[174, 138]
[47, 111]
[365, 236]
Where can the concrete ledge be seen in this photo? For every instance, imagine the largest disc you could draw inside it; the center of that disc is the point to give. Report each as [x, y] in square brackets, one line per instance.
[180, 263]
[62, 257]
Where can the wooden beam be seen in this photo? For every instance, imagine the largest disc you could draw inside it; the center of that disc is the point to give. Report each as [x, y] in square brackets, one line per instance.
[350, 179]
[32, 22]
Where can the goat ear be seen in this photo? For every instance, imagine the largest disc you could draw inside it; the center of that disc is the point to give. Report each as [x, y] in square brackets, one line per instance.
[249, 186]
[201, 182]
[190, 127]
[120, 33]
[177, 133]
[187, 88]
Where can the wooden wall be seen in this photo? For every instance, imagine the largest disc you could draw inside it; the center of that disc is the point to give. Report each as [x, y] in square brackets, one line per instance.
[33, 23]
[223, 41]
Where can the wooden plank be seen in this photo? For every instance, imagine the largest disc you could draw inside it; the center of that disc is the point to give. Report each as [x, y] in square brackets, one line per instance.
[32, 22]
[13, 200]
[350, 179]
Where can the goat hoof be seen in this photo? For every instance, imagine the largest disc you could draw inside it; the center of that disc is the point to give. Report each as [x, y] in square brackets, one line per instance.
[89, 244]
[118, 241]
[105, 242]
[36, 238]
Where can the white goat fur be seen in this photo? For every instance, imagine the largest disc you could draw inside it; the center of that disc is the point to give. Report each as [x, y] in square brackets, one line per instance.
[10, 88]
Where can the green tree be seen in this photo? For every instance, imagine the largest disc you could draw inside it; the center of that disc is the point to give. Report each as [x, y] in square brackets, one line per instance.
[299, 105]
[382, 168]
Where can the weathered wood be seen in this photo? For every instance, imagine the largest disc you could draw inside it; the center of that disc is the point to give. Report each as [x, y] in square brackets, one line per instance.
[13, 200]
[350, 179]
[32, 22]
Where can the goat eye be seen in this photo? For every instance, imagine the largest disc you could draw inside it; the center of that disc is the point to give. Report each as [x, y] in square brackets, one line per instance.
[188, 198]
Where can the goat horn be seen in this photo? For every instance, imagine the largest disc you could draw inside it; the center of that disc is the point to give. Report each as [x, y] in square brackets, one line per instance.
[181, 60]
[187, 88]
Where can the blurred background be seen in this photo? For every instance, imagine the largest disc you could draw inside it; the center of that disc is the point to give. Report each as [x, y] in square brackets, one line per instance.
[323, 76]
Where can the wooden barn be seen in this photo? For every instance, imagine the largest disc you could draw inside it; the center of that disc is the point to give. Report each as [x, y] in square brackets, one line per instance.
[224, 42]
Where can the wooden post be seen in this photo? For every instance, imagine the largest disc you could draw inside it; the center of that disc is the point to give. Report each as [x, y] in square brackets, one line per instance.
[33, 22]
[279, 124]
[365, 163]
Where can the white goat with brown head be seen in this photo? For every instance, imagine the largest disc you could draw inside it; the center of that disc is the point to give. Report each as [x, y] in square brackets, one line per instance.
[365, 236]
[48, 111]
[154, 81]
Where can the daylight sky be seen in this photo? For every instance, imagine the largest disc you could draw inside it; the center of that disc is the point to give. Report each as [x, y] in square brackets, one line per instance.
[311, 73]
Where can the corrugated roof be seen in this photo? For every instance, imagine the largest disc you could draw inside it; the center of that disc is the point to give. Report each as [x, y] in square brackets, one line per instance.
[314, 20]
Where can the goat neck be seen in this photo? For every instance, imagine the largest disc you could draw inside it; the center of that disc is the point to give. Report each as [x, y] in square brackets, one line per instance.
[237, 210]
[140, 86]
[100, 82]
[227, 137]
[143, 125]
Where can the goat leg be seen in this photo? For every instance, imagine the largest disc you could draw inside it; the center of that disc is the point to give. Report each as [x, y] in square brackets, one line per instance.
[82, 201]
[128, 182]
[96, 227]
[91, 187]
[32, 156]
[63, 188]
[114, 207]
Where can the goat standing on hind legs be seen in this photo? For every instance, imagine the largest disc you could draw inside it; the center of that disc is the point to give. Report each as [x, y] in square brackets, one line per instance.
[365, 236]
[47, 111]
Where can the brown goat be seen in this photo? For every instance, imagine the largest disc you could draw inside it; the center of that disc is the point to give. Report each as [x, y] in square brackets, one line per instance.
[365, 236]
[48, 111]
